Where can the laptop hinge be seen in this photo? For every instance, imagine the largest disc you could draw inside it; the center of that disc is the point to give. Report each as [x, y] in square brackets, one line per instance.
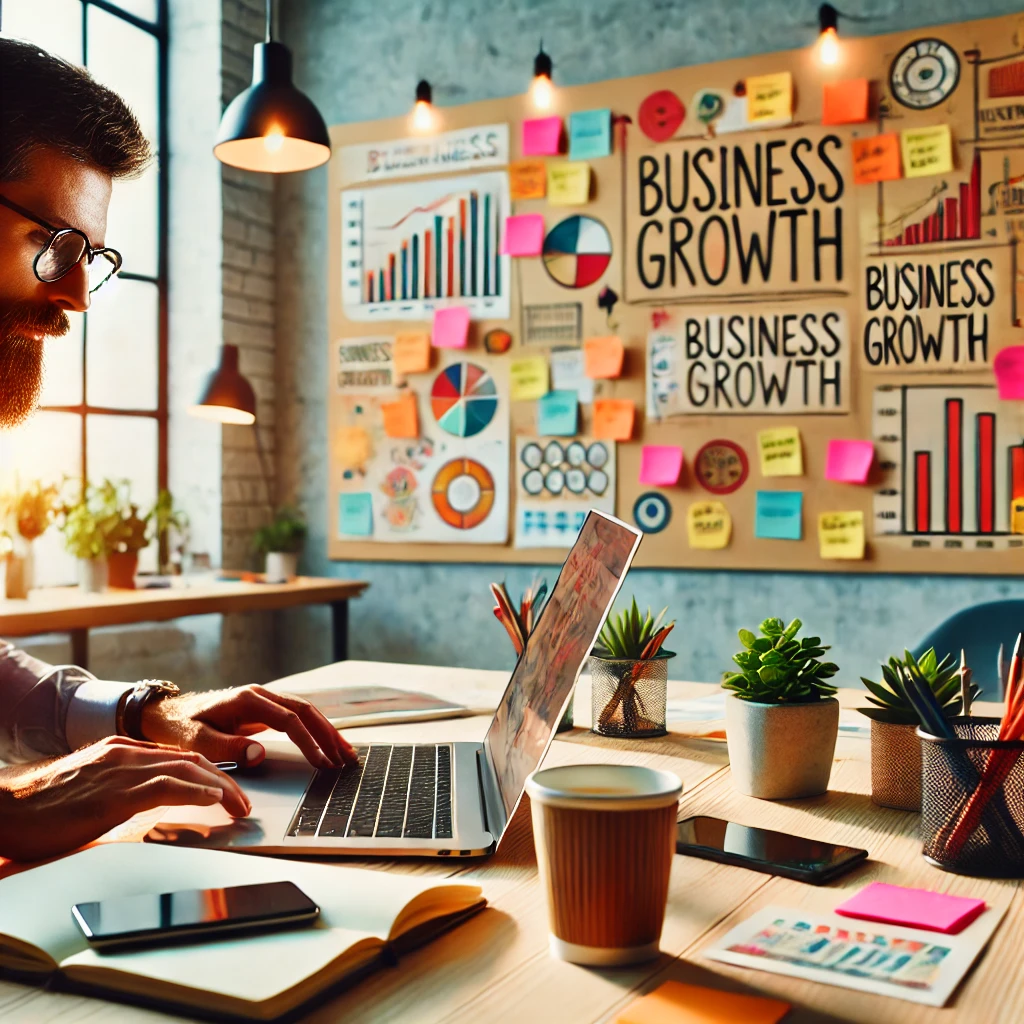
[493, 808]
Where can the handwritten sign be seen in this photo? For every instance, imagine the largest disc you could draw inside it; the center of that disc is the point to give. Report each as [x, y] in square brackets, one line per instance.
[365, 364]
[781, 451]
[355, 514]
[558, 414]
[568, 373]
[926, 151]
[568, 184]
[412, 352]
[770, 99]
[708, 525]
[841, 535]
[590, 134]
[779, 515]
[876, 159]
[527, 179]
[528, 378]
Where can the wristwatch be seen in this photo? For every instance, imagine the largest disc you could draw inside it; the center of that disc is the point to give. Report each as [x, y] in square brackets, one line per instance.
[132, 704]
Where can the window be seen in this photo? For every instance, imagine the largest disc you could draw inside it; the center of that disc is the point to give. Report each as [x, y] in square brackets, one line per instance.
[103, 409]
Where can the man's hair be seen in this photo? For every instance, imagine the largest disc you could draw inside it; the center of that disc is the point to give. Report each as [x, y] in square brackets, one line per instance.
[47, 102]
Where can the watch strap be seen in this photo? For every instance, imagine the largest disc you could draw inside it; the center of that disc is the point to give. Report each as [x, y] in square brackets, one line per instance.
[145, 691]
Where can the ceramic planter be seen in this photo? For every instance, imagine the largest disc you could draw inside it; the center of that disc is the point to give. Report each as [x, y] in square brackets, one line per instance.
[281, 566]
[895, 766]
[122, 566]
[781, 751]
[92, 575]
[628, 697]
[21, 569]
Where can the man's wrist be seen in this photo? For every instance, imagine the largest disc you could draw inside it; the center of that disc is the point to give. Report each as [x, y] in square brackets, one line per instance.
[145, 693]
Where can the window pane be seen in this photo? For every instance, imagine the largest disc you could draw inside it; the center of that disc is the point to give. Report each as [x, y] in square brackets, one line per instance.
[56, 25]
[62, 379]
[131, 224]
[140, 8]
[121, 346]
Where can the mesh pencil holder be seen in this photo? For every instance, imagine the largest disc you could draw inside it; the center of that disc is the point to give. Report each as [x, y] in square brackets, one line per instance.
[628, 697]
[972, 806]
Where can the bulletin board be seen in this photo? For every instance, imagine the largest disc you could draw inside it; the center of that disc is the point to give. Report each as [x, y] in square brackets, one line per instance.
[828, 253]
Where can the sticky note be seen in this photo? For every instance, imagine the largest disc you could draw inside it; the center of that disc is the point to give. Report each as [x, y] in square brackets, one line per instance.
[841, 535]
[779, 515]
[355, 514]
[411, 352]
[917, 908]
[613, 419]
[1009, 370]
[558, 414]
[451, 327]
[568, 373]
[590, 134]
[876, 159]
[603, 357]
[542, 136]
[770, 98]
[1017, 515]
[845, 102]
[353, 447]
[529, 378]
[926, 151]
[400, 416]
[675, 1002]
[781, 451]
[527, 179]
[661, 464]
[849, 461]
[524, 235]
[568, 184]
[708, 525]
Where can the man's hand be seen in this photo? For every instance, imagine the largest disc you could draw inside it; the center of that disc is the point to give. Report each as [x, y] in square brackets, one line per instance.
[53, 807]
[219, 725]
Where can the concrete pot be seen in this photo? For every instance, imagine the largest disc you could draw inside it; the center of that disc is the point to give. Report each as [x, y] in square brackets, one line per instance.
[281, 566]
[92, 575]
[781, 751]
[895, 766]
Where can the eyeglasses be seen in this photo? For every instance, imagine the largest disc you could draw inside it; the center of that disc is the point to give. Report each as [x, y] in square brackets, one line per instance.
[67, 248]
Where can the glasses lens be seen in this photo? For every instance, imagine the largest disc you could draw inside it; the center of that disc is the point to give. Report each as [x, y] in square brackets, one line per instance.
[102, 268]
[60, 256]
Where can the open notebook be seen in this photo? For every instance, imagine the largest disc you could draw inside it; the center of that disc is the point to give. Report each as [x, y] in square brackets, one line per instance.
[363, 915]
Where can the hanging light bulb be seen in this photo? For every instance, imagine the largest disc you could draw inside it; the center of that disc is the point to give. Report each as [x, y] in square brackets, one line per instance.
[423, 111]
[828, 40]
[541, 89]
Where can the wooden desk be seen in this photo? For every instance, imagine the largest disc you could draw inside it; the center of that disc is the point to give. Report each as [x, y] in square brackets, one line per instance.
[496, 967]
[68, 610]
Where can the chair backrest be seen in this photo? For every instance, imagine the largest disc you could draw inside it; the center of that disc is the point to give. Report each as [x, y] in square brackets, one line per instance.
[979, 630]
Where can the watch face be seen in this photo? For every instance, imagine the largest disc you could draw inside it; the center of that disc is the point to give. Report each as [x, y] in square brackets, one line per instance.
[924, 73]
[721, 466]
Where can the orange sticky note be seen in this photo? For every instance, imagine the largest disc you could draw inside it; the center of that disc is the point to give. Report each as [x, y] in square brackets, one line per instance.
[527, 179]
[675, 1002]
[400, 416]
[845, 102]
[603, 357]
[613, 419]
[411, 352]
[876, 159]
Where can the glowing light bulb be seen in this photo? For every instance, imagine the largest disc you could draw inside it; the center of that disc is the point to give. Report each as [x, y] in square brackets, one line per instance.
[828, 47]
[423, 116]
[273, 140]
[542, 92]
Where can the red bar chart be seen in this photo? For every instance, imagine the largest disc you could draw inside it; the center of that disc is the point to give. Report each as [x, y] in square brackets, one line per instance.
[953, 218]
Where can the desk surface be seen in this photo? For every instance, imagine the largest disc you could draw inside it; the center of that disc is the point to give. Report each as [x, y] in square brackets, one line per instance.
[496, 967]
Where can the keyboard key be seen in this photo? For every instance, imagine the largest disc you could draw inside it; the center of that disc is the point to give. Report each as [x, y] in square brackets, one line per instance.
[396, 792]
[419, 818]
[307, 819]
[443, 812]
[375, 770]
[335, 819]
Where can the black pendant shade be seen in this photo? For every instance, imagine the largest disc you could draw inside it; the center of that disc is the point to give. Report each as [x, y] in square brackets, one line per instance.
[227, 396]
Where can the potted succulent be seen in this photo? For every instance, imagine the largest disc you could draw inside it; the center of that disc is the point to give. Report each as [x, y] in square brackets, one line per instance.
[281, 541]
[895, 748]
[129, 537]
[781, 718]
[28, 513]
[90, 521]
[629, 673]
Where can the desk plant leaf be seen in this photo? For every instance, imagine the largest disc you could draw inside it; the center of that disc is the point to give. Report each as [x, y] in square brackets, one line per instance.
[890, 695]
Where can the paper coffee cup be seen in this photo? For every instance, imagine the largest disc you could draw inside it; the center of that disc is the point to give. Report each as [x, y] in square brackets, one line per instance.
[605, 838]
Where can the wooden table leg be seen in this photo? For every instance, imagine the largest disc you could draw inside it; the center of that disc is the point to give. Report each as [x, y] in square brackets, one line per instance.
[80, 647]
[339, 622]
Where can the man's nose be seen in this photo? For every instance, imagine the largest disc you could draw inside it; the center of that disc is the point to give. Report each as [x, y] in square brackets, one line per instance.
[71, 292]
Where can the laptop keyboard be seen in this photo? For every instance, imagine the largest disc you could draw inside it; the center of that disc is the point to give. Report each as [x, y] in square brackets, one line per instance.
[396, 792]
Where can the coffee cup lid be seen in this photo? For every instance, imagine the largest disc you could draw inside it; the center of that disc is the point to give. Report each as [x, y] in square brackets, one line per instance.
[611, 787]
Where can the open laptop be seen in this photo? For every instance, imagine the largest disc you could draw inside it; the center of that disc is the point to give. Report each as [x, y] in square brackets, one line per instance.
[435, 799]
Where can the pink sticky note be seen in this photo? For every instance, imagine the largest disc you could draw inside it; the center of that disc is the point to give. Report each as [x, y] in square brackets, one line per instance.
[849, 461]
[661, 464]
[451, 327]
[542, 136]
[917, 908]
[524, 235]
[1009, 367]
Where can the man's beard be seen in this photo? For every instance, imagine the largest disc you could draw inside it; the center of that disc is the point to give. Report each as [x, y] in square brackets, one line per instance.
[21, 356]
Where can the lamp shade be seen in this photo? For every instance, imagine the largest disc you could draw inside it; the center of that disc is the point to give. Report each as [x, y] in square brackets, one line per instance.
[227, 396]
[272, 126]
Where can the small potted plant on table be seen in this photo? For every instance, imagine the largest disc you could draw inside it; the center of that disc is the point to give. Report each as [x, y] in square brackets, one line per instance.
[90, 522]
[781, 718]
[29, 513]
[281, 541]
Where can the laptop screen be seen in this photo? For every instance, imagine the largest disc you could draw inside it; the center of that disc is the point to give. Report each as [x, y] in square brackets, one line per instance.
[556, 651]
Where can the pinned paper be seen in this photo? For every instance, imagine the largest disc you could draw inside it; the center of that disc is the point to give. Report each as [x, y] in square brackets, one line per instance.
[401, 418]
[779, 515]
[660, 464]
[1009, 369]
[542, 136]
[524, 235]
[926, 151]
[1017, 515]
[558, 414]
[613, 419]
[675, 1002]
[568, 373]
[590, 134]
[849, 461]
[917, 908]
[845, 102]
[841, 535]
[603, 357]
[529, 378]
[353, 447]
[411, 352]
[568, 184]
[355, 514]
[527, 179]
[708, 525]
[451, 327]
[876, 159]
[770, 98]
[781, 451]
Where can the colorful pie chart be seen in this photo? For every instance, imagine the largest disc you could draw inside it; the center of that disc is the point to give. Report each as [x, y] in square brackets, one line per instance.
[463, 399]
[577, 251]
[463, 493]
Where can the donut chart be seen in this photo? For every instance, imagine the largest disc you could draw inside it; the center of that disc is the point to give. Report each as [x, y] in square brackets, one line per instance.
[577, 251]
[463, 399]
[463, 493]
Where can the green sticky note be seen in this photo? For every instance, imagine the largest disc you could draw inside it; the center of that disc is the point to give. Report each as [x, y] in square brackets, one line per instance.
[355, 514]
[779, 515]
[557, 414]
[590, 134]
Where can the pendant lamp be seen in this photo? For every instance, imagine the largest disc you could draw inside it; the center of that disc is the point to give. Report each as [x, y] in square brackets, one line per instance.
[272, 126]
[228, 396]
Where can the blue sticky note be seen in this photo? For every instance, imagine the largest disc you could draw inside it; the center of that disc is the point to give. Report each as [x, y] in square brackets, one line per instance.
[779, 515]
[355, 514]
[590, 134]
[557, 414]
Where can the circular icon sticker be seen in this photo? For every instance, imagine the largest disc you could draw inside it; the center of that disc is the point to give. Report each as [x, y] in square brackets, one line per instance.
[577, 251]
[721, 467]
[924, 73]
[660, 115]
[652, 512]
[463, 493]
[497, 341]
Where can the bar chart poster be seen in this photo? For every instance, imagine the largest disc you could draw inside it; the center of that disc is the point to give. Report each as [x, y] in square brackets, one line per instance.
[953, 461]
[411, 248]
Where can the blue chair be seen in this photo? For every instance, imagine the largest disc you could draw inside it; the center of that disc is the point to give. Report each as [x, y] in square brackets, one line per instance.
[979, 630]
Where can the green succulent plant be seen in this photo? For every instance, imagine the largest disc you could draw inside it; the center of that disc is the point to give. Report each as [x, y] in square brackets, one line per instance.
[777, 668]
[285, 533]
[628, 637]
[891, 700]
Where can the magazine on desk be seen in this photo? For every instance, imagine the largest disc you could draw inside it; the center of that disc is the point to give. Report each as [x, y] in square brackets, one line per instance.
[349, 706]
[366, 918]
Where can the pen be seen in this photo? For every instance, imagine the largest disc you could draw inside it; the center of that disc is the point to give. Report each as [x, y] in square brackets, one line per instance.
[226, 766]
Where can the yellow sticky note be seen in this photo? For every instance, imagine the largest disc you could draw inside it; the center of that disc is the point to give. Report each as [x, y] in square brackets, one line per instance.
[708, 525]
[613, 419]
[411, 352]
[527, 179]
[781, 451]
[401, 418]
[770, 98]
[1017, 515]
[602, 357]
[352, 447]
[569, 184]
[926, 151]
[529, 378]
[841, 535]
[675, 1002]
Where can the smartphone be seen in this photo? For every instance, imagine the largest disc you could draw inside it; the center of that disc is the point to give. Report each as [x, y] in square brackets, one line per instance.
[759, 849]
[131, 922]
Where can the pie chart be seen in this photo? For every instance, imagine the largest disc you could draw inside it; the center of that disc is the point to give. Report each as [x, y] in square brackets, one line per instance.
[463, 493]
[463, 399]
[577, 251]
